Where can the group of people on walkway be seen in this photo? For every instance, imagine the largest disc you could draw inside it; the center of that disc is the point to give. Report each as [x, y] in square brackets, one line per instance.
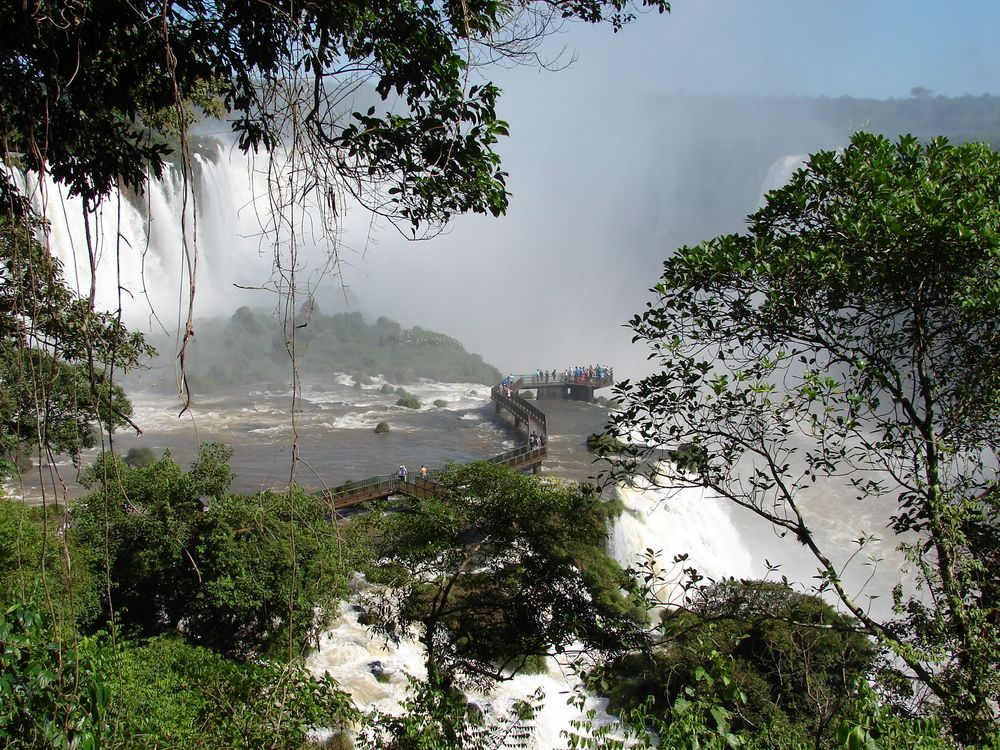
[589, 374]
[402, 472]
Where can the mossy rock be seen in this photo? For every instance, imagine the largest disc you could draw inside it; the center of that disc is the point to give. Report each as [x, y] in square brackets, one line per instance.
[527, 395]
[381, 428]
[440, 403]
[409, 401]
[386, 388]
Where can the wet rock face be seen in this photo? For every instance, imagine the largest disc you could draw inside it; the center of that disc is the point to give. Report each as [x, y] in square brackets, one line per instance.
[379, 671]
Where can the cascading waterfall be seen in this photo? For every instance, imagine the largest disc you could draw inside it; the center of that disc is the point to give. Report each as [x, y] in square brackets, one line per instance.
[689, 521]
[376, 676]
[780, 172]
[670, 522]
[221, 219]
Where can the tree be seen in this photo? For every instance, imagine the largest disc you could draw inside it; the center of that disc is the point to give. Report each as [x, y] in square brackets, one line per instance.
[46, 699]
[90, 89]
[851, 336]
[794, 661]
[168, 693]
[136, 527]
[498, 569]
[96, 95]
[57, 354]
[246, 576]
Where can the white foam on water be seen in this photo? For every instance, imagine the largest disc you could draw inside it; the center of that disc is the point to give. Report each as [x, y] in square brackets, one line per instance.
[353, 657]
[460, 396]
[278, 429]
[667, 523]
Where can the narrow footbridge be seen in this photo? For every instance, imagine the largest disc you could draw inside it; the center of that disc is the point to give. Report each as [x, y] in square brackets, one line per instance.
[507, 402]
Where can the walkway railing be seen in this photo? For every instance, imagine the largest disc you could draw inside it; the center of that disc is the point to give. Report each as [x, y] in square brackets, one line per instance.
[533, 379]
[383, 485]
[518, 406]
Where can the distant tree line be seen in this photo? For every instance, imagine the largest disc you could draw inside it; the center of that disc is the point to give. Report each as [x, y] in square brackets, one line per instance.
[250, 348]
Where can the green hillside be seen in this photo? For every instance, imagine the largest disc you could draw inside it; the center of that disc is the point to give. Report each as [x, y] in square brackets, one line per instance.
[251, 346]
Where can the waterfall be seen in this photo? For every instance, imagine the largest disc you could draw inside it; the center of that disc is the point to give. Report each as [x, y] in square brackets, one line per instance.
[376, 677]
[670, 522]
[780, 172]
[220, 222]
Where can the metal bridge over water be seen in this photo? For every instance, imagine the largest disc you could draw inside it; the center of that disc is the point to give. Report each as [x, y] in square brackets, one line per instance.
[507, 402]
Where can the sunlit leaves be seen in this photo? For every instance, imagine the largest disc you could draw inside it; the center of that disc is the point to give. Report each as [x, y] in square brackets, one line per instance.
[852, 337]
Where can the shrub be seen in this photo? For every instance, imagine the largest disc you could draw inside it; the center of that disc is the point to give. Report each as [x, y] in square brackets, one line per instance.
[45, 701]
[440, 403]
[136, 458]
[409, 401]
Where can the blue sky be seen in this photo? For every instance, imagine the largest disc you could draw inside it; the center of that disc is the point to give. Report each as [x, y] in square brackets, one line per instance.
[866, 48]
[598, 186]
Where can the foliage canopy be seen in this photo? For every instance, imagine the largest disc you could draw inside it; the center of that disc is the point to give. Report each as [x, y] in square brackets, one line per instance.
[852, 337]
[497, 569]
[245, 575]
[89, 88]
[57, 355]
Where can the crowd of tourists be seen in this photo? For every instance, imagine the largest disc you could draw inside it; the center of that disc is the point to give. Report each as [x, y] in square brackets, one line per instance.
[591, 375]
[585, 375]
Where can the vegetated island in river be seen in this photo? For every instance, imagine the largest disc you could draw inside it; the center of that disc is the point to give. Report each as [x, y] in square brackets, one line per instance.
[252, 347]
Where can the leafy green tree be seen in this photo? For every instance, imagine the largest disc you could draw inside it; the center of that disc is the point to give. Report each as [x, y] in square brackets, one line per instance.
[270, 569]
[167, 693]
[794, 661]
[436, 719]
[246, 576]
[136, 527]
[36, 571]
[851, 337]
[46, 698]
[90, 87]
[498, 568]
[56, 354]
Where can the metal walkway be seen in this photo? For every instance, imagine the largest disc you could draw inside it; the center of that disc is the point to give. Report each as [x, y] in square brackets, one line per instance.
[505, 398]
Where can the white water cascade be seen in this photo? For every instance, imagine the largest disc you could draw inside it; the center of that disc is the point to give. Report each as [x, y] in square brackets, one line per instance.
[376, 677]
[664, 523]
[691, 522]
[780, 172]
[222, 231]
[139, 245]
